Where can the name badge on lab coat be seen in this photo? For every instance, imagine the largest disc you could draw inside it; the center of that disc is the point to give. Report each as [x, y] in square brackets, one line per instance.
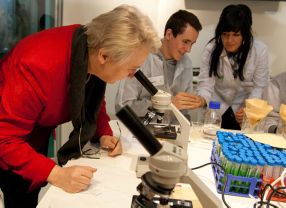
[157, 81]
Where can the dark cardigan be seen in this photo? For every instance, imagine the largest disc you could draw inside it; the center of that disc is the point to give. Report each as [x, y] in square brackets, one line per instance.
[85, 99]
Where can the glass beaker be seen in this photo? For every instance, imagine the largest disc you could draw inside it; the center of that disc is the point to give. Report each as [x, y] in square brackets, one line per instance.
[196, 130]
[252, 126]
[281, 128]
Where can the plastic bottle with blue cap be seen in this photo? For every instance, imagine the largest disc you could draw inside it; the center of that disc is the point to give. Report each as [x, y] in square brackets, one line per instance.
[212, 120]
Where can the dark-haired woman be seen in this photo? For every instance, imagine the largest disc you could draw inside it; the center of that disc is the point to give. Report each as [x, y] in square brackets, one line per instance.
[234, 65]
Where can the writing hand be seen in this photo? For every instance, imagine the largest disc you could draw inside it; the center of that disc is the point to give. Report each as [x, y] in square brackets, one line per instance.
[71, 179]
[112, 144]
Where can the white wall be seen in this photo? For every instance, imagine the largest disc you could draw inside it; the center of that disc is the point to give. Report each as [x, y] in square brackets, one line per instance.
[269, 24]
[85, 10]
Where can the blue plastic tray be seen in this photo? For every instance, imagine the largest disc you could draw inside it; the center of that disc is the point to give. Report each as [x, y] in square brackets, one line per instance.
[236, 185]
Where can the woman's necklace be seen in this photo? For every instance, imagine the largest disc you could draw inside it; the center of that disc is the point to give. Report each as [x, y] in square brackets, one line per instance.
[88, 78]
[234, 65]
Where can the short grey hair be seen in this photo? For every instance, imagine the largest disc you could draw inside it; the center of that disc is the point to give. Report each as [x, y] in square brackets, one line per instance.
[120, 32]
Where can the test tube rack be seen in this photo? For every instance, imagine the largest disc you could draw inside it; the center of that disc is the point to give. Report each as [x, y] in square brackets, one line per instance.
[264, 156]
[236, 185]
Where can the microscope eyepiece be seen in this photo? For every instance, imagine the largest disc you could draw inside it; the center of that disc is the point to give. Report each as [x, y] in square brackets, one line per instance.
[146, 82]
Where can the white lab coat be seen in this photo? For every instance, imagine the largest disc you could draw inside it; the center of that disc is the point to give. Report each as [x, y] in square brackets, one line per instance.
[275, 94]
[132, 93]
[227, 90]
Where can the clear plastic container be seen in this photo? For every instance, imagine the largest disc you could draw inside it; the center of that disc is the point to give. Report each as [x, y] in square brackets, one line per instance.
[281, 128]
[212, 120]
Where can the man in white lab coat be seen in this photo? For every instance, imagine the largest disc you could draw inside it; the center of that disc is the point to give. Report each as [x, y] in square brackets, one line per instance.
[170, 69]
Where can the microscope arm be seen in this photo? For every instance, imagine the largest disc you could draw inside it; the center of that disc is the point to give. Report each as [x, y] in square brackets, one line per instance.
[183, 137]
[206, 197]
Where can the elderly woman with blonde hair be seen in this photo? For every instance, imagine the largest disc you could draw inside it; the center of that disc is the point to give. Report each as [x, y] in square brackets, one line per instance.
[59, 75]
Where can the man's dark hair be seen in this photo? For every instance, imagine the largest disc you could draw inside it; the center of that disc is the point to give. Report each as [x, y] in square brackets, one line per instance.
[180, 20]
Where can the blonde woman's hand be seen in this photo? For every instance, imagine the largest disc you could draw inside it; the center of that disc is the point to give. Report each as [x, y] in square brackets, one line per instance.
[112, 144]
[71, 179]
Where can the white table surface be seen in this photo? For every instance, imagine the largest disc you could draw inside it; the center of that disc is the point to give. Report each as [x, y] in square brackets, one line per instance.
[115, 181]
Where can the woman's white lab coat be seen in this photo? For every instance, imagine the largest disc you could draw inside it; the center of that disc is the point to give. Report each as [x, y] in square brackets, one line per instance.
[227, 90]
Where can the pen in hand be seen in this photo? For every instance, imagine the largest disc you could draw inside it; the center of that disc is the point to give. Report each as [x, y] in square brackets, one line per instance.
[116, 143]
[109, 149]
[119, 135]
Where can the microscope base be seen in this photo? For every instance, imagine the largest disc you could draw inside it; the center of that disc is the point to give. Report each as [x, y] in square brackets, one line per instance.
[173, 203]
